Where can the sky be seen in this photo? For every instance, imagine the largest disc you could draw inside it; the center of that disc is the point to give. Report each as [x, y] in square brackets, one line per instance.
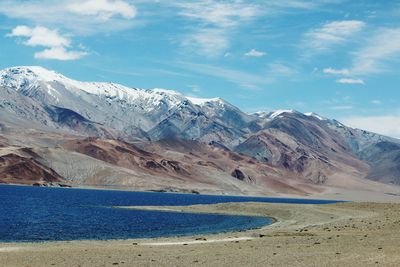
[337, 58]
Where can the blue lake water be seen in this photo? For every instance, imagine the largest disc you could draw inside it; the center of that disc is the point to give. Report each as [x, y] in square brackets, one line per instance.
[50, 214]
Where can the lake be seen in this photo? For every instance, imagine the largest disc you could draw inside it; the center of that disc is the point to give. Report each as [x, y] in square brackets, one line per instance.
[33, 214]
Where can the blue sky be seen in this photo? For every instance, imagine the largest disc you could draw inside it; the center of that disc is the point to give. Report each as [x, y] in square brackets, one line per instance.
[338, 58]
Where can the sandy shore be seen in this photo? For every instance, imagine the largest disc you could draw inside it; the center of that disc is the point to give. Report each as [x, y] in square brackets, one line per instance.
[345, 234]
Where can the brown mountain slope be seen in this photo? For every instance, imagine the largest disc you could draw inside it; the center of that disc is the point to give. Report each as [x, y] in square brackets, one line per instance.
[191, 166]
[20, 166]
[314, 164]
[126, 155]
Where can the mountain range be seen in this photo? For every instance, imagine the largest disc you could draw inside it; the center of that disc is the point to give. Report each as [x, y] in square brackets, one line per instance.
[58, 131]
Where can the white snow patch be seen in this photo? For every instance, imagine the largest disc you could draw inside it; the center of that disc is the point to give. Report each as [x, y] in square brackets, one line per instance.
[260, 114]
[202, 101]
[31, 76]
[44, 74]
[278, 112]
[166, 91]
[312, 114]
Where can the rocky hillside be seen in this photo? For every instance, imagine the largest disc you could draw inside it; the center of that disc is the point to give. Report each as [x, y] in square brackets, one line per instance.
[179, 142]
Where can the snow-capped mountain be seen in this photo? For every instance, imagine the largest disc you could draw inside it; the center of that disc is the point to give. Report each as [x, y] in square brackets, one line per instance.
[304, 143]
[124, 109]
[108, 103]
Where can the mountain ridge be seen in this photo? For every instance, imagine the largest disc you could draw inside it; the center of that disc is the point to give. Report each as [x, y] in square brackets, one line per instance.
[292, 146]
[33, 75]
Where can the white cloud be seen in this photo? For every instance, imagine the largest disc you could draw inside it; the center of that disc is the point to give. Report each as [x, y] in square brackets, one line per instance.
[298, 4]
[342, 107]
[221, 14]
[77, 16]
[387, 125]
[381, 47]
[376, 102]
[210, 42]
[350, 81]
[103, 9]
[255, 53]
[216, 21]
[336, 71]
[194, 88]
[241, 78]
[332, 33]
[375, 56]
[280, 69]
[228, 16]
[59, 53]
[40, 36]
[56, 44]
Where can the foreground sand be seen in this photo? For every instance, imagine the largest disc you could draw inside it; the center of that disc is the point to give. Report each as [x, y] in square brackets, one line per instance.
[346, 234]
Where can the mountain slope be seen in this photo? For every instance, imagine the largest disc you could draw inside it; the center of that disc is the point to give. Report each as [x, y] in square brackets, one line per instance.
[127, 110]
[282, 150]
[303, 145]
[23, 166]
[384, 157]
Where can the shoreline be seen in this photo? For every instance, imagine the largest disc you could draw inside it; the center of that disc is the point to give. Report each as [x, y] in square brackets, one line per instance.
[329, 193]
[338, 234]
[341, 234]
[166, 209]
[379, 197]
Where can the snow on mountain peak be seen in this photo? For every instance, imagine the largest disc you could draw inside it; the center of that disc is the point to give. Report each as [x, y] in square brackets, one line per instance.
[28, 77]
[24, 76]
[315, 115]
[42, 73]
[165, 91]
[51, 87]
[276, 113]
[203, 101]
[279, 112]
[259, 113]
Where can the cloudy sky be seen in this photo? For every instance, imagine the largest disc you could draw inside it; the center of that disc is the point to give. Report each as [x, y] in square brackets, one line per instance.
[338, 58]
